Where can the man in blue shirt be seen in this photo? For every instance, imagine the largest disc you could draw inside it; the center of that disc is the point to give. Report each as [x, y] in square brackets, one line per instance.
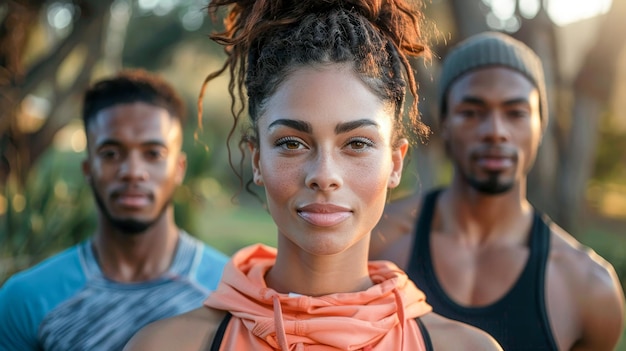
[138, 266]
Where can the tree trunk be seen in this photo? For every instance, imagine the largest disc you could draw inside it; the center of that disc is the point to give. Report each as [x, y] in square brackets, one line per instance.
[591, 95]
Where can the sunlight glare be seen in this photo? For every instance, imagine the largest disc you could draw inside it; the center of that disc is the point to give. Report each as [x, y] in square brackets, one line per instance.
[563, 12]
[529, 8]
[503, 9]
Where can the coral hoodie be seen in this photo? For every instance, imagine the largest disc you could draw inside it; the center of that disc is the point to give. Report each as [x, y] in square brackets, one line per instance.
[379, 318]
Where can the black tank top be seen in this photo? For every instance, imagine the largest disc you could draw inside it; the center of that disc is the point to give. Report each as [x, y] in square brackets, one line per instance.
[219, 334]
[518, 321]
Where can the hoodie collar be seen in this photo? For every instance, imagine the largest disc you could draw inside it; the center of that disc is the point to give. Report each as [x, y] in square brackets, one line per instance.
[348, 321]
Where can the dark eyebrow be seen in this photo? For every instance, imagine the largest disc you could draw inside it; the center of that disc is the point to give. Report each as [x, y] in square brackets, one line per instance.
[306, 127]
[473, 100]
[478, 101]
[108, 142]
[292, 123]
[517, 101]
[113, 142]
[352, 125]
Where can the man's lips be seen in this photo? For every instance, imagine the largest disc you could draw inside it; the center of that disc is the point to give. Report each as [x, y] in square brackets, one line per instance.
[495, 163]
[324, 215]
[132, 199]
[494, 159]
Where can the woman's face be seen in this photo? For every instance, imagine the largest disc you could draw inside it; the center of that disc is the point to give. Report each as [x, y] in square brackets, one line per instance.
[325, 158]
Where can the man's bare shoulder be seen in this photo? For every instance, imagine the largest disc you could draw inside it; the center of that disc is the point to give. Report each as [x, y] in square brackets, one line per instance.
[585, 265]
[447, 334]
[397, 222]
[595, 287]
[189, 331]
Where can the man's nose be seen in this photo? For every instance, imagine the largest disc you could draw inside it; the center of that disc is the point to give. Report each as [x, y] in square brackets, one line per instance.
[133, 168]
[494, 127]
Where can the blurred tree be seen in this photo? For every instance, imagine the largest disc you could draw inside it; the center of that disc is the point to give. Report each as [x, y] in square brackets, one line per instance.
[21, 143]
[589, 103]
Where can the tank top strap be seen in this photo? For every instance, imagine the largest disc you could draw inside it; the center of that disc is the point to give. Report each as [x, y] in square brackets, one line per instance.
[425, 336]
[540, 248]
[540, 236]
[219, 334]
[420, 248]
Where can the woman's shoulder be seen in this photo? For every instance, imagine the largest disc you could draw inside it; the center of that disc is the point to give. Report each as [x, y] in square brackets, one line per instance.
[189, 331]
[447, 334]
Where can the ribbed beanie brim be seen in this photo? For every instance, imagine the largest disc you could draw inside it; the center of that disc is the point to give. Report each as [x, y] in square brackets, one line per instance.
[492, 49]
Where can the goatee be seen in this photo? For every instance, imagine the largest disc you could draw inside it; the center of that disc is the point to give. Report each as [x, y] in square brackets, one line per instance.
[127, 225]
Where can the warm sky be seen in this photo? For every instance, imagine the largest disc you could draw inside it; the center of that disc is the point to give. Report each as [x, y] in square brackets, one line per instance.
[562, 12]
[565, 11]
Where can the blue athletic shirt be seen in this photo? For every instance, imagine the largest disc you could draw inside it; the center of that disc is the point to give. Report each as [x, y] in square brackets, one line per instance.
[66, 303]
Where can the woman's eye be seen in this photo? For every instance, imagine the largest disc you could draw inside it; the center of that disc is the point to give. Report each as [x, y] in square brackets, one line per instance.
[360, 144]
[289, 144]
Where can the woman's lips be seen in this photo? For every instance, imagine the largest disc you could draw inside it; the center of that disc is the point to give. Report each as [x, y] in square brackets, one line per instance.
[324, 215]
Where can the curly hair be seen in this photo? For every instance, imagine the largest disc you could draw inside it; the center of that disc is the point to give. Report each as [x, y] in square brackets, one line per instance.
[265, 40]
[128, 86]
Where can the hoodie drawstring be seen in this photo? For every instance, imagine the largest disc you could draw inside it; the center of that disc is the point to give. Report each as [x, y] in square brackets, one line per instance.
[400, 309]
[279, 325]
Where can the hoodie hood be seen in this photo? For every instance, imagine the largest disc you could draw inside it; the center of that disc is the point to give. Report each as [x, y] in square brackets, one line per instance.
[373, 319]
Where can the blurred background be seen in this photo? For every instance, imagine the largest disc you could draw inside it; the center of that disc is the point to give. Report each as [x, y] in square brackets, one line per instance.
[50, 51]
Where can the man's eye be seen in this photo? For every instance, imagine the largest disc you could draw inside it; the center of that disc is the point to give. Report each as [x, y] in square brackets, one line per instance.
[468, 113]
[155, 154]
[108, 154]
[517, 113]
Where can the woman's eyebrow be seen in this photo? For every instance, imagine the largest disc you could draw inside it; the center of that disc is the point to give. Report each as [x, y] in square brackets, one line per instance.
[348, 126]
[292, 123]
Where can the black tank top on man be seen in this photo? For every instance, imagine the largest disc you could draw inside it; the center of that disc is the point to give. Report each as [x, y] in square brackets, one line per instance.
[519, 320]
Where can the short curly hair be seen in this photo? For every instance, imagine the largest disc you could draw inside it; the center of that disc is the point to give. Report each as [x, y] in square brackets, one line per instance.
[128, 86]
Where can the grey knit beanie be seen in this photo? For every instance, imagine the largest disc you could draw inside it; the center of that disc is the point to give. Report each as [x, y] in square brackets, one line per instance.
[492, 49]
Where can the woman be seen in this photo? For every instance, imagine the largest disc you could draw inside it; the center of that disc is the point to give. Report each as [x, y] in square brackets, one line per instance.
[325, 84]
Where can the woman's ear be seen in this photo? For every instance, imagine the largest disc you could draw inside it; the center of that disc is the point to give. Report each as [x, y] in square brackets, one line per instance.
[397, 162]
[257, 175]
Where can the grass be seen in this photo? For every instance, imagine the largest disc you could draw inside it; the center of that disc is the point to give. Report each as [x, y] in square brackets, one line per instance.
[229, 229]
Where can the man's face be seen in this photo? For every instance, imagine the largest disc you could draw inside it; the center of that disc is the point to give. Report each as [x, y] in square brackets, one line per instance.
[493, 128]
[134, 163]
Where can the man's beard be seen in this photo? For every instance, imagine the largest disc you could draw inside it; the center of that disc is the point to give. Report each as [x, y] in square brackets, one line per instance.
[490, 186]
[127, 226]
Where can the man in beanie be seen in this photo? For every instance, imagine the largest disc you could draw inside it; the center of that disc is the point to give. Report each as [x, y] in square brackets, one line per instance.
[478, 249]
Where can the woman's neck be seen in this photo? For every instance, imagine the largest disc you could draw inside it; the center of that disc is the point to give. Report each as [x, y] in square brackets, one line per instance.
[297, 271]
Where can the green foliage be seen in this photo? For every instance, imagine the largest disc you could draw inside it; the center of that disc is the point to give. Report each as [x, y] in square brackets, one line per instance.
[610, 165]
[52, 212]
